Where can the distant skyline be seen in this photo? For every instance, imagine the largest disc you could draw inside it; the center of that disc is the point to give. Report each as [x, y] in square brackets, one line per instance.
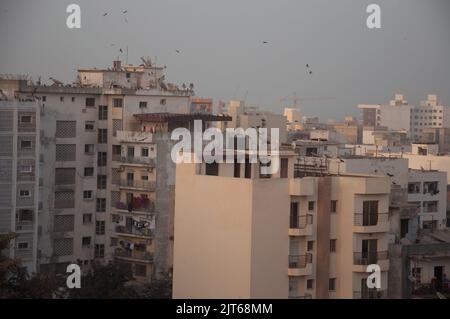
[221, 47]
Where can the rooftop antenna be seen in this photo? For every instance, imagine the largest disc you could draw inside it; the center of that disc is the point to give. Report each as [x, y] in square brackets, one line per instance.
[127, 55]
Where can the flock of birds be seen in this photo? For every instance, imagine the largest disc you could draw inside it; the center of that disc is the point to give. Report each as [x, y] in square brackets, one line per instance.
[177, 51]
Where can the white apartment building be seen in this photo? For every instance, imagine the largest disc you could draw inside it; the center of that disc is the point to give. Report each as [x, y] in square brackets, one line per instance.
[240, 234]
[430, 114]
[395, 116]
[19, 172]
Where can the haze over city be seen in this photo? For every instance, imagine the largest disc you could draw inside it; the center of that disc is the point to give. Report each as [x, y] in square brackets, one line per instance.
[219, 46]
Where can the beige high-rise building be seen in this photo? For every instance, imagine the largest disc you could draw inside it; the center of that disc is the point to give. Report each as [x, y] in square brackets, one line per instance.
[240, 234]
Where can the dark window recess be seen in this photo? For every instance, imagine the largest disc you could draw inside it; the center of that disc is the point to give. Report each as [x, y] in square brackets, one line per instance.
[90, 102]
[284, 168]
[103, 112]
[212, 169]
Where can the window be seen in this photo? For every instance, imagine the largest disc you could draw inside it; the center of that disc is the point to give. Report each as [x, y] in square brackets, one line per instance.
[89, 125]
[73, 98]
[26, 169]
[87, 194]
[117, 102]
[99, 251]
[414, 188]
[370, 213]
[61, 98]
[25, 215]
[88, 171]
[162, 102]
[25, 119]
[430, 188]
[310, 284]
[90, 102]
[130, 151]
[103, 135]
[99, 227]
[103, 112]
[101, 205]
[101, 159]
[101, 181]
[310, 245]
[430, 207]
[294, 220]
[284, 168]
[86, 241]
[142, 104]
[116, 152]
[332, 245]
[311, 205]
[332, 284]
[22, 245]
[114, 241]
[128, 75]
[140, 270]
[87, 218]
[144, 177]
[333, 206]
[25, 145]
[89, 148]
[44, 98]
[144, 152]
[24, 193]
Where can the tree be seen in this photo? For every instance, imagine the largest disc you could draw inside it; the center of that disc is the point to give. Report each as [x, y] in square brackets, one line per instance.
[15, 282]
[160, 288]
[106, 282]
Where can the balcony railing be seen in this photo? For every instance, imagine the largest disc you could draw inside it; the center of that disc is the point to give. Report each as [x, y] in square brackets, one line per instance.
[368, 258]
[370, 294]
[24, 226]
[300, 222]
[138, 160]
[299, 261]
[145, 185]
[136, 205]
[135, 254]
[370, 219]
[130, 230]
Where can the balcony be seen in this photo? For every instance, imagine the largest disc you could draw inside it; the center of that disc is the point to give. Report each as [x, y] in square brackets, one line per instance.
[64, 203]
[138, 204]
[300, 265]
[138, 160]
[138, 184]
[371, 223]
[133, 255]
[301, 186]
[134, 137]
[133, 231]
[362, 259]
[301, 226]
[370, 294]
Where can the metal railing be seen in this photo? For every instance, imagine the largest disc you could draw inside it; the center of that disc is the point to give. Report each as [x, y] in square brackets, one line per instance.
[133, 231]
[140, 207]
[141, 255]
[300, 222]
[370, 294]
[24, 226]
[370, 257]
[299, 261]
[146, 185]
[138, 160]
[361, 219]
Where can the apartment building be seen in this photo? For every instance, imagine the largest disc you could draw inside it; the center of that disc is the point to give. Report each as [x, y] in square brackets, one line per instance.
[90, 173]
[394, 116]
[430, 114]
[19, 171]
[293, 234]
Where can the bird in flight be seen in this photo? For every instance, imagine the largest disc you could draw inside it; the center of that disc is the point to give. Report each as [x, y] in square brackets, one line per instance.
[177, 51]
[124, 11]
[265, 42]
[121, 51]
[307, 65]
[105, 14]
[310, 72]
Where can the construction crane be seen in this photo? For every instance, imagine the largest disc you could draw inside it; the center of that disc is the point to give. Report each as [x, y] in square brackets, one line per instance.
[295, 100]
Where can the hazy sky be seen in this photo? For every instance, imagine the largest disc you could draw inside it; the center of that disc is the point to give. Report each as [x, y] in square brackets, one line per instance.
[222, 51]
